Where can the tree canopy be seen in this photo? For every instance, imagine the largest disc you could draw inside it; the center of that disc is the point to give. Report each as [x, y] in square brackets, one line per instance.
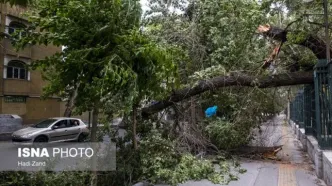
[16, 2]
[105, 52]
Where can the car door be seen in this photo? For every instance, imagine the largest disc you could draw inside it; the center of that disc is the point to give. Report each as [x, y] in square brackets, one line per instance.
[73, 128]
[60, 133]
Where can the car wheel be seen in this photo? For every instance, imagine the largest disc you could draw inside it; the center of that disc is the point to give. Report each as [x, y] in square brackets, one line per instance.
[81, 138]
[41, 139]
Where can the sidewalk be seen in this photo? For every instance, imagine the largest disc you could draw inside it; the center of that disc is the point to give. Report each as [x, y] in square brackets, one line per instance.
[294, 168]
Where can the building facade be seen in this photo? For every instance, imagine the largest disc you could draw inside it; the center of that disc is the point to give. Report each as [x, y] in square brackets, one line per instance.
[21, 89]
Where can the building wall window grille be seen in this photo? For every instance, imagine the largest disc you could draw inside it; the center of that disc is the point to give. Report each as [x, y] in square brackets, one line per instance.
[15, 99]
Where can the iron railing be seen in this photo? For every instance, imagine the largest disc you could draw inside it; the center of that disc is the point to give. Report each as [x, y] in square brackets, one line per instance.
[324, 136]
[297, 109]
[312, 106]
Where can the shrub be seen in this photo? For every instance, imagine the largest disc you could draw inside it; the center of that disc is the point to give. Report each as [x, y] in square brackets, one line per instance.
[226, 135]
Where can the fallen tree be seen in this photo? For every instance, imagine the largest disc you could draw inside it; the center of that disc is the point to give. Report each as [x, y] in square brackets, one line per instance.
[314, 43]
[237, 79]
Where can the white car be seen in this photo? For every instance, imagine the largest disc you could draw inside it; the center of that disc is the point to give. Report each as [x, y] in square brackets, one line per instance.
[58, 129]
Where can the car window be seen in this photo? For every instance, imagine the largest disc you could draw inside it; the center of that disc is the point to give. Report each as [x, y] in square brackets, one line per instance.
[73, 123]
[61, 124]
[44, 124]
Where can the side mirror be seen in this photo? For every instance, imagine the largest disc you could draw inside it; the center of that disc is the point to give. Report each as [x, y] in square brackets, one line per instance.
[55, 127]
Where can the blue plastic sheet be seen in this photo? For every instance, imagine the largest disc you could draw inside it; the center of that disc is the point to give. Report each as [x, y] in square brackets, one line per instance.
[211, 111]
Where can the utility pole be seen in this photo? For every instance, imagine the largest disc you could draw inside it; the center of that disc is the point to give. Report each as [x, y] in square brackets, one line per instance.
[327, 38]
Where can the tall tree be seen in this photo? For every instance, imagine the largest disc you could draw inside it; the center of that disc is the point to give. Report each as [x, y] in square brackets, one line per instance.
[105, 54]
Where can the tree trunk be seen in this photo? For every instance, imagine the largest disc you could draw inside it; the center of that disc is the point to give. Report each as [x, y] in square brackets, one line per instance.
[255, 149]
[94, 129]
[134, 139]
[193, 111]
[71, 102]
[295, 78]
[176, 125]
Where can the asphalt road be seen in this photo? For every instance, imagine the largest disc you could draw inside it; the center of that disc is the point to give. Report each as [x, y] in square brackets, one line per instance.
[5, 137]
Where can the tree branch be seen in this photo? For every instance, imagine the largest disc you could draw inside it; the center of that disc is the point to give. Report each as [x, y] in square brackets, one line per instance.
[314, 43]
[237, 79]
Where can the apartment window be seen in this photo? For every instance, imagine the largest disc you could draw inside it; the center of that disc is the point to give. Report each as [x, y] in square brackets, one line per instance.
[16, 70]
[15, 99]
[14, 25]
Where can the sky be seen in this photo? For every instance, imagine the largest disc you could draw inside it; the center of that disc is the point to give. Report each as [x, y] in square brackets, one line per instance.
[145, 7]
[144, 4]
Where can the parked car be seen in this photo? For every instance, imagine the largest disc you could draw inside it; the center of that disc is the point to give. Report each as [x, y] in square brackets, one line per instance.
[58, 129]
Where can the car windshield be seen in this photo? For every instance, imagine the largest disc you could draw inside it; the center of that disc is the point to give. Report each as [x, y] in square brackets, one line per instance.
[44, 124]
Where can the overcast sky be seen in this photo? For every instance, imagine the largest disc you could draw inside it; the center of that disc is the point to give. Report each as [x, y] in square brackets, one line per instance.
[144, 4]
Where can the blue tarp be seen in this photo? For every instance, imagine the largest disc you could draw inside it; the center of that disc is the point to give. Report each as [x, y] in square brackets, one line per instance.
[211, 111]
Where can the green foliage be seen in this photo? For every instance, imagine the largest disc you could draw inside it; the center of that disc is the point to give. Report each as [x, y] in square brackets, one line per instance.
[208, 73]
[44, 178]
[298, 37]
[105, 53]
[226, 135]
[162, 164]
[158, 161]
[228, 29]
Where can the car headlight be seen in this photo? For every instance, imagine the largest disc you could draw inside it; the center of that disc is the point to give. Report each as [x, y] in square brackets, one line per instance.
[26, 135]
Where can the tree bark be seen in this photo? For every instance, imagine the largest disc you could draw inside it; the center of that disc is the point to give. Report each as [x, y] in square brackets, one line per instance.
[238, 79]
[134, 139]
[71, 102]
[193, 111]
[176, 124]
[94, 126]
[256, 149]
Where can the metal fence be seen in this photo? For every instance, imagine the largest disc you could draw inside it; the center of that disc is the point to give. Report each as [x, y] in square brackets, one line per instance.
[322, 104]
[309, 110]
[297, 109]
[312, 106]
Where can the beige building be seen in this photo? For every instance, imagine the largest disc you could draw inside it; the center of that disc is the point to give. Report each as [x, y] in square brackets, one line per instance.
[21, 89]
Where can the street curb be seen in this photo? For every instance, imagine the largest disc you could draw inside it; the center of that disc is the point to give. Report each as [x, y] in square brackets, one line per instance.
[321, 158]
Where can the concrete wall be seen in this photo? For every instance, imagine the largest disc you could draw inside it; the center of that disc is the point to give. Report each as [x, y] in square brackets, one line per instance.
[311, 144]
[14, 108]
[38, 109]
[12, 10]
[303, 138]
[327, 157]
[16, 87]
